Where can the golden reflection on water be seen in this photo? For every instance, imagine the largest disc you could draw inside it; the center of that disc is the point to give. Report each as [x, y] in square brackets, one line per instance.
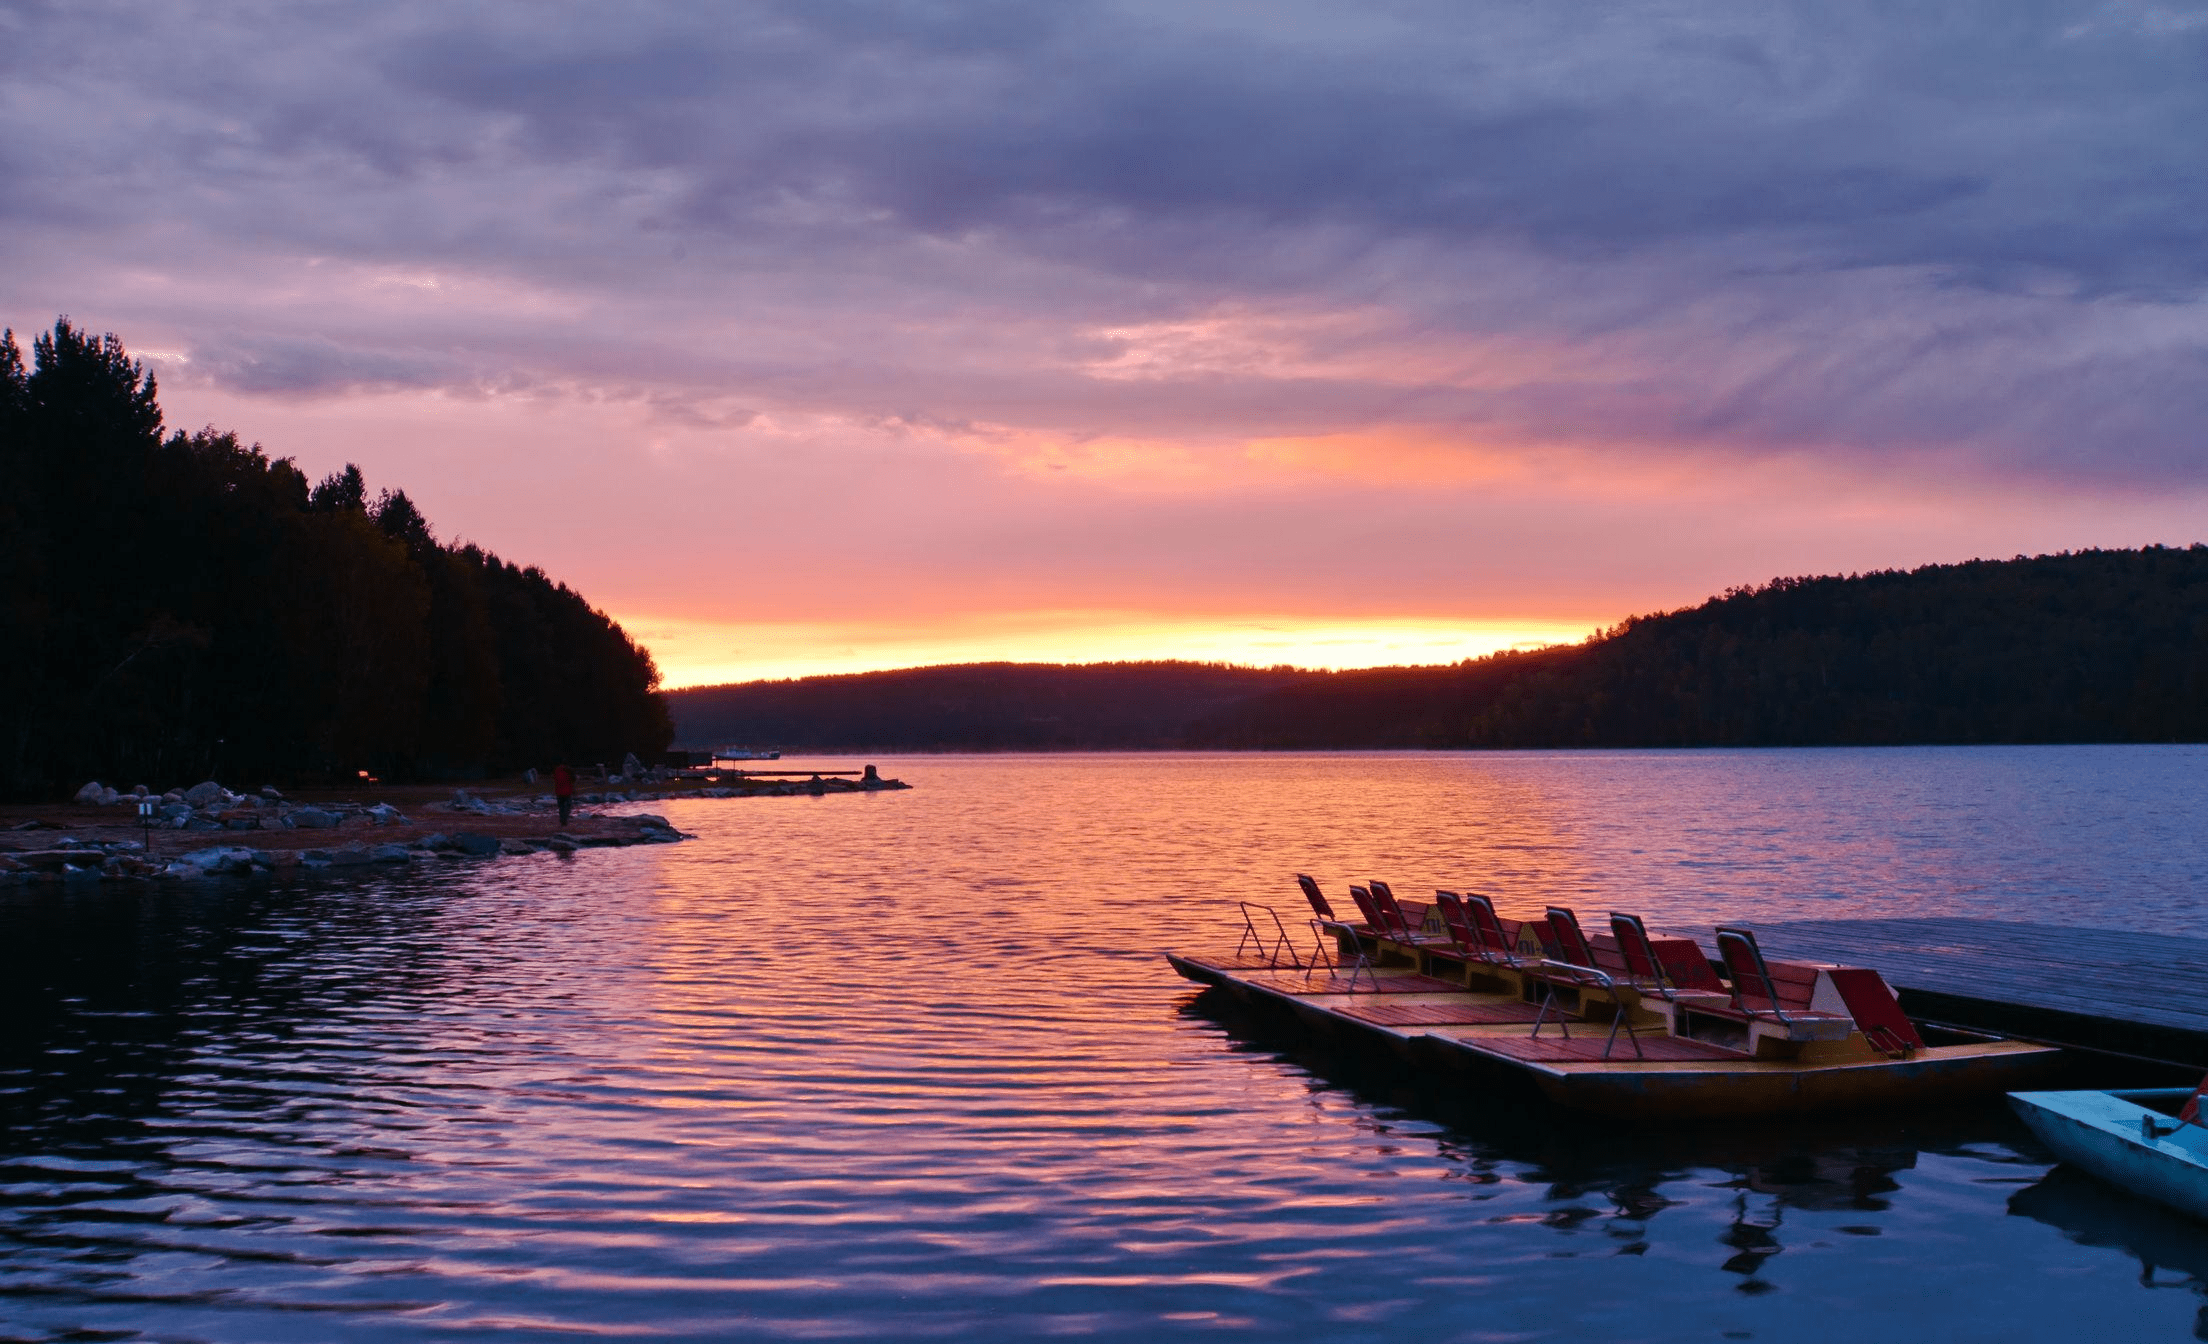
[911, 1064]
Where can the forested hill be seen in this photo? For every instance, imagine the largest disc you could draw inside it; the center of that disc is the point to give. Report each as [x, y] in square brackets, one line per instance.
[2097, 646]
[179, 607]
[978, 707]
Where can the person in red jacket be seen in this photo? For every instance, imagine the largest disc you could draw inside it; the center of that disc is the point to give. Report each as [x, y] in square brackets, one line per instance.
[563, 790]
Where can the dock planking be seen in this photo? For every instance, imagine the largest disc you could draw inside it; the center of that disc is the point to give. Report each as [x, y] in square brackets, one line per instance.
[2113, 990]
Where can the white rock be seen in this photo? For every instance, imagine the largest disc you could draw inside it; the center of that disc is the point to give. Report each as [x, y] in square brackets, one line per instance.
[89, 795]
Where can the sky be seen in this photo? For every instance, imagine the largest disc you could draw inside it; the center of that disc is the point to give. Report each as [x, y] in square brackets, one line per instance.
[825, 336]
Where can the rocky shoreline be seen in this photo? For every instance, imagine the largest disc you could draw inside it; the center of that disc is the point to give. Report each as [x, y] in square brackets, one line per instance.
[107, 834]
[297, 839]
[73, 859]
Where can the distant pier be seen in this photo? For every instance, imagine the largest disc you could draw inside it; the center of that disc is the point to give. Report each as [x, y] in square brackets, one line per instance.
[2112, 990]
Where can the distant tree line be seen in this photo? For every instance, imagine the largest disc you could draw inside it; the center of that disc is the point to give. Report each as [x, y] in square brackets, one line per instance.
[173, 608]
[976, 707]
[2095, 646]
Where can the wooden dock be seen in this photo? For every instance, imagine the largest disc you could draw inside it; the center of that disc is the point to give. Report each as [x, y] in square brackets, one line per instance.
[2121, 992]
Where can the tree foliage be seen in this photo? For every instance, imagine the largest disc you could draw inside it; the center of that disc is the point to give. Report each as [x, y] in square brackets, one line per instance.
[184, 606]
[973, 707]
[2097, 646]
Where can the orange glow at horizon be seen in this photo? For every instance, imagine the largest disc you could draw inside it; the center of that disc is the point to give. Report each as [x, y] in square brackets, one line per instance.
[694, 652]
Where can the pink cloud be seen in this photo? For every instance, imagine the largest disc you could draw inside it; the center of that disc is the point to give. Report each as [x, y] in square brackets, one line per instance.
[965, 320]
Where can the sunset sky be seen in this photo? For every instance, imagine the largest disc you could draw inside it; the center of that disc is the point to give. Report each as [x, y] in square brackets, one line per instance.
[828, 335]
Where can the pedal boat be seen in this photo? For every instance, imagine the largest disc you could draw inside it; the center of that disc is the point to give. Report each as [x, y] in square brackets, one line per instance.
[2149, 1142]
[1631, 1025]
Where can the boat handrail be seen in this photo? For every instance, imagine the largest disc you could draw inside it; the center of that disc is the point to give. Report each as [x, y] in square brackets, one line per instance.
[1252, 935]
[1551, 971]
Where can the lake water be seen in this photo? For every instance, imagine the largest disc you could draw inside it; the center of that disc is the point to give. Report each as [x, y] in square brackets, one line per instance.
[910, 1065]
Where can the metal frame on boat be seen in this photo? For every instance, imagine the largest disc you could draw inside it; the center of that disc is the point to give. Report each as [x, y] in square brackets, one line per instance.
[1454, 988]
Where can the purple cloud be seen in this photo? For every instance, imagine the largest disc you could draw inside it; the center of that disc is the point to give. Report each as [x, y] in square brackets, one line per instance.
[1743, 229]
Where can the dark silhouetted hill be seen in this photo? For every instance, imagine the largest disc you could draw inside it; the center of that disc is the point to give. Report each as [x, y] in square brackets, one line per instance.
[2094, 646]
[973, 707]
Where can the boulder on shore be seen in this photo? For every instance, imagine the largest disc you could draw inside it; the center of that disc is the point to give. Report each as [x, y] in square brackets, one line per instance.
[208, 794]
[88, 796]
[220, 859]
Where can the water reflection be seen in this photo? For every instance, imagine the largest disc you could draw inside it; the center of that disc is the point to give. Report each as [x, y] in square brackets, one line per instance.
[1614, 1179]
[911, 1065]
[2170, 1249]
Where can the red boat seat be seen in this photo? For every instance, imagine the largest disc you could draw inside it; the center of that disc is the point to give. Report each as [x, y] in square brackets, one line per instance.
[1325, 922]
[2189, 1114]
[1685, 965]
[1483, 935]
[1876, 1012]
[1670, 968]
[1783, 991]
[1769, 991]
[1400, 926]
[1322, 909]
[1795, 982]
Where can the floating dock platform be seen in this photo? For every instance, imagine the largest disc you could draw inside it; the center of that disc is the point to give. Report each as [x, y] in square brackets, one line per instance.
[2116, 992]
[1441, 1026]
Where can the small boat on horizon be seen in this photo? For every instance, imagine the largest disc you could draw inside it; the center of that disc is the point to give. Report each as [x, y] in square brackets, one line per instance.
[744, 754]
[1631, 1024]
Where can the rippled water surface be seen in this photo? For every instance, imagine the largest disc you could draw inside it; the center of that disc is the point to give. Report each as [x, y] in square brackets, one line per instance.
[909, 1065]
